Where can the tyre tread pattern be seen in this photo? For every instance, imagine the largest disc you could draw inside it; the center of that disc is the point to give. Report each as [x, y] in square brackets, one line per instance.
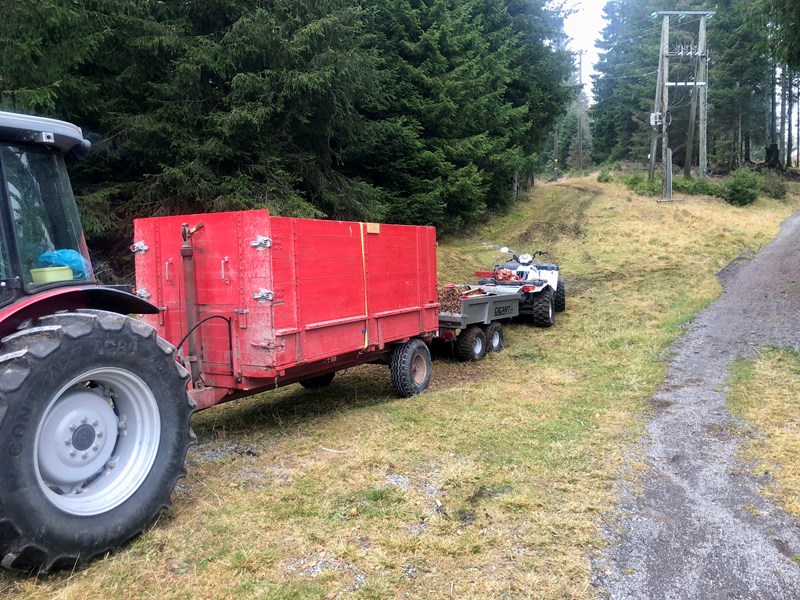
[560, 302]
[465, 344]
[543, 311]
[17, 550]
[401, 365]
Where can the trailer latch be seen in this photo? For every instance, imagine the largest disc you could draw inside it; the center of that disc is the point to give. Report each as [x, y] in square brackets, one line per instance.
[261, 243]
[139, 247]
[143, 293]
[263, 295]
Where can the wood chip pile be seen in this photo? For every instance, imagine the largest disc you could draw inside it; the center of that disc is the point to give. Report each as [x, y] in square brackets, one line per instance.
[450, 298]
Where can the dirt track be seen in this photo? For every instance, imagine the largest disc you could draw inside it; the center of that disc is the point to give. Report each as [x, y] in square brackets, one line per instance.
[696, 525]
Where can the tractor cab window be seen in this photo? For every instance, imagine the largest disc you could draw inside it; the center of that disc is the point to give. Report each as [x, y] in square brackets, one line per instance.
[6, 272]
[47, 229]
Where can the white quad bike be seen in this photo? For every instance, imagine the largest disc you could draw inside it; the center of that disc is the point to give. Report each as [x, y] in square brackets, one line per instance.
[539, 285]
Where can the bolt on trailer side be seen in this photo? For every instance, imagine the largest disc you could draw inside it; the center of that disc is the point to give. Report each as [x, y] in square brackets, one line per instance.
[277, 300]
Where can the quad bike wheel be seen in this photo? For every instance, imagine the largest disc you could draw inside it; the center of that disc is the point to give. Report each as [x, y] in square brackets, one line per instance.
[471, 344]
[544, 314]
[410, 367]
[560, 302]
[94, 428]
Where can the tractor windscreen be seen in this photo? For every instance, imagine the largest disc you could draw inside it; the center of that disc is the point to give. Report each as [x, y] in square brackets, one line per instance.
[47, 230]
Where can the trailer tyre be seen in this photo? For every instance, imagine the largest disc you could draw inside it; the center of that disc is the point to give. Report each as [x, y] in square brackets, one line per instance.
[544, 314]
[410, 367]
[318, 382]
[560, 302]
[494, 337]
[471, 344]
[94, 428]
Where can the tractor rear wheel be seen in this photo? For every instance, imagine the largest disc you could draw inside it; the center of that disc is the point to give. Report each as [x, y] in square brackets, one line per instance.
[410, 367]
[544, 314]
[94, 428]
[471, 344]
[560, 302]
[494, 337]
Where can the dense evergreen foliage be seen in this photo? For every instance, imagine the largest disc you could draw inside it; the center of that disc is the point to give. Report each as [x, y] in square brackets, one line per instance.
[412, 111]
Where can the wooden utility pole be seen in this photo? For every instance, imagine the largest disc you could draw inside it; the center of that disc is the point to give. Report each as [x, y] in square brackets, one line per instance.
[580, 111]
[661, 115]
[662, 54]
[666, 154]
[703, 83]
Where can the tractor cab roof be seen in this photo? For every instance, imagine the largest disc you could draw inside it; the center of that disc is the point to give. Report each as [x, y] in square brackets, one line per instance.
[60, 135]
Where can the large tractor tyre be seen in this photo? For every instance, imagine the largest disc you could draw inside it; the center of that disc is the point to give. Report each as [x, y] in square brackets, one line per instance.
[544, 314]
[493, 333]
[560, 302]
[410, 367]
[318, 382]
[94, 428]
[471, 344]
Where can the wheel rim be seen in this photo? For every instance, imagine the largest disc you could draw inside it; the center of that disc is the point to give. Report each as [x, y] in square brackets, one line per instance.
[419, 369]
[97, 441]
[477, 346]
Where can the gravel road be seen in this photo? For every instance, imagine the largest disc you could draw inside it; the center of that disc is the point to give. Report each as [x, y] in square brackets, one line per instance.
[696, 526]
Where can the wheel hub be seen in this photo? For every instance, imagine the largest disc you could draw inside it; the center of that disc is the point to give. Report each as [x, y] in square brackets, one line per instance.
[84, 437]
[77, 438]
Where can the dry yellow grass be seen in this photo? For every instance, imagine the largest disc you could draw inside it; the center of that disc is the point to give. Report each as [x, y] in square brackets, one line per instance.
[766, 394]
[493, 483]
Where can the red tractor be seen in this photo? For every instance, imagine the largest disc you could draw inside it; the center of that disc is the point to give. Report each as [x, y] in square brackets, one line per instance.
[94, 406]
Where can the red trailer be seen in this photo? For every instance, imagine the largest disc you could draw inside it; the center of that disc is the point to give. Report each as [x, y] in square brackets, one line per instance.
[255, 302]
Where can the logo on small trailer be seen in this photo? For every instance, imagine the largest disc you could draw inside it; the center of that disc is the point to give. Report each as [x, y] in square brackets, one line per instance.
[502, 310]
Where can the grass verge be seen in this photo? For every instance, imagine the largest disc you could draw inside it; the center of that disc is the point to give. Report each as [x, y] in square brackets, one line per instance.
[766, 394]
[491, 484]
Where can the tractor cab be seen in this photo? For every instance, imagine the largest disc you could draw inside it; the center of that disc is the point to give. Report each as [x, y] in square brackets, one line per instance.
[41, 239]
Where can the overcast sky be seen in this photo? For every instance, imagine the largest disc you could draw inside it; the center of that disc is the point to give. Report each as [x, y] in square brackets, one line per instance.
[584, 28]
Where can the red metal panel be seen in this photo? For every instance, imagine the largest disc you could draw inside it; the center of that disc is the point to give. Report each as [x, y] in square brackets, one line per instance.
[296, 291]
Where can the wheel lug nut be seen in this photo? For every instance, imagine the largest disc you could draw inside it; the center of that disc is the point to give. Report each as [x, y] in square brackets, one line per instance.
[72, 453]
[99, 434]
[84, 420]
[85, 455]
[95, 422]
[68, 441]
[95, 447]
[73, 427]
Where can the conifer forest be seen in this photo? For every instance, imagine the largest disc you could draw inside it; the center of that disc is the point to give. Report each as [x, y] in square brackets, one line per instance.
[406, 111]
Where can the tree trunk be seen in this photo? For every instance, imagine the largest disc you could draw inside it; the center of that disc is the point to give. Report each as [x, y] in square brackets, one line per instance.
[739, 138]
[789, 139]
[774, 109]
[747, 158]
[782, 138]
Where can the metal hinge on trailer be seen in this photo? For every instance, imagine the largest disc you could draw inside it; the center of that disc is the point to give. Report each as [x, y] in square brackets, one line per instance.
[143, 293]
[263, 296]
[261, 243]
[139, 248]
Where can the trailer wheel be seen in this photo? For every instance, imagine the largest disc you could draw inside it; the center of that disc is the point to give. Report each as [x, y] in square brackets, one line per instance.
[471, 344]
[560, 302]
[94, 428]
[494, 337]
[544, 314]
[318, 382]
[411, 368]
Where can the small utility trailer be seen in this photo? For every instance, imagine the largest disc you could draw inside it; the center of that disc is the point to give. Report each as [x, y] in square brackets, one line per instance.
[474, 327]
